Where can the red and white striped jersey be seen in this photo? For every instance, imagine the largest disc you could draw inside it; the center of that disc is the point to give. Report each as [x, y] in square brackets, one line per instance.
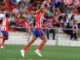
[4, 26]
[39, 20]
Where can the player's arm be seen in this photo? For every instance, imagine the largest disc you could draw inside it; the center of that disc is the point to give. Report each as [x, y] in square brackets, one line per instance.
[42, 6]
[9, 22]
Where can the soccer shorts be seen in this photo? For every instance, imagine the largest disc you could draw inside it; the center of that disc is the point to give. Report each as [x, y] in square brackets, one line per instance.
[4, 32]
[38, 32]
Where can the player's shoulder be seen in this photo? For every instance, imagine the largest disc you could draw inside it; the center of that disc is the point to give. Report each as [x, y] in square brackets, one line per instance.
[6, 19]
[37, 12]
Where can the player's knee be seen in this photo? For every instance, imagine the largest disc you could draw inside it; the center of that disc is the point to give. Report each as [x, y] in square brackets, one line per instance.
[45, 41]
[6, 38]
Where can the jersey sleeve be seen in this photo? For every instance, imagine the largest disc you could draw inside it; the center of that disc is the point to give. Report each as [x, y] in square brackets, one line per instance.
[9, 20]
[37, 12]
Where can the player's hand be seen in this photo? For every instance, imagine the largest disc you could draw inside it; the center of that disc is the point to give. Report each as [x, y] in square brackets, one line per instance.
[47, 2]
[44, 2]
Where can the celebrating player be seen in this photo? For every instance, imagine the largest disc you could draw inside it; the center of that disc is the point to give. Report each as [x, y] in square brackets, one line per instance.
[4, 29]
[37, 32]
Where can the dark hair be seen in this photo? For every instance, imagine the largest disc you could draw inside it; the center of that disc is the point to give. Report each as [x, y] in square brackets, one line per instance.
[7, 15]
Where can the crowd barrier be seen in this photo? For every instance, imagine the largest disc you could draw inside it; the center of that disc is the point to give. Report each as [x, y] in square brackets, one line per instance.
[61, 38]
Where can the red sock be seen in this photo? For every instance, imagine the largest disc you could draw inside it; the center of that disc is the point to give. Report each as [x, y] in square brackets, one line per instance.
[25, 48]
[2, 37]
[2, 43]
[40, 47]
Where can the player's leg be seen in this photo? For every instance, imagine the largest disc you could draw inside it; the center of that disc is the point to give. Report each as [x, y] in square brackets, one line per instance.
[28, 45]
[44, 40]
[2, 37]
[31, 41]
[5, 38]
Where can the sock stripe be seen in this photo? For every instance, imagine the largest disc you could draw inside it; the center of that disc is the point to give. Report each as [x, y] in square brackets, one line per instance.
[25, 48]
[40, 47]
[2, 43]
[2, 37]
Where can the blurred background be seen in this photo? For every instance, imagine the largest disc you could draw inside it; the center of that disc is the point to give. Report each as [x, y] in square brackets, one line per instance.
[61, 22]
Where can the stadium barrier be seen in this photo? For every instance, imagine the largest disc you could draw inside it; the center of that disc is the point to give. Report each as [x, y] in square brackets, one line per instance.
[62, 39]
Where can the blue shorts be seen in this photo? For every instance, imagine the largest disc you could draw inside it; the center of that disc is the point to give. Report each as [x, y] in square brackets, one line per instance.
[38, 32]
[4, 32]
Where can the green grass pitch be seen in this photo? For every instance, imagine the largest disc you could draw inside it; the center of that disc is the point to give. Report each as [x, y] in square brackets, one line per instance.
[12, 52]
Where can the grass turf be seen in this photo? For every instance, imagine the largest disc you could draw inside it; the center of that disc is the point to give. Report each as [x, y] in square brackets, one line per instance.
[12, 52]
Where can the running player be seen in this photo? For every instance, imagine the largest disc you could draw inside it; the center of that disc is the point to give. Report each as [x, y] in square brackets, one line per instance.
[37, 32]
[4, 29]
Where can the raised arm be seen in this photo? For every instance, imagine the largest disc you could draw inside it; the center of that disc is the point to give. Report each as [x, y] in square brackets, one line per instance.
[42, 6]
